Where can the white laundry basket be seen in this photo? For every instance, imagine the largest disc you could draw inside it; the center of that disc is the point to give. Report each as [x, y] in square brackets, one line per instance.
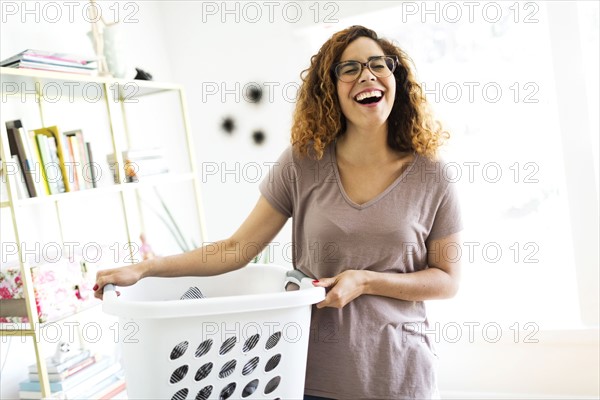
[247, 339]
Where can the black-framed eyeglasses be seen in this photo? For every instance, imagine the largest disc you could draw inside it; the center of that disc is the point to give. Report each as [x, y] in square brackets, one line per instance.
[380, 66]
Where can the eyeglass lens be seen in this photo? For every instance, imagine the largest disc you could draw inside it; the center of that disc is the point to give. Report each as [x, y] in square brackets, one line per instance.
[381, 67]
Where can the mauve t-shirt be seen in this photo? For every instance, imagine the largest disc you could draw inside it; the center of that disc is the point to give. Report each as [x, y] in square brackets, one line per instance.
[375, 347]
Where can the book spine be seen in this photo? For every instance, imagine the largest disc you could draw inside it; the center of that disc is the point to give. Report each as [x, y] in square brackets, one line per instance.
[21, 189]
[42, 142]
[40, 177]
[85, 161]
[92, 372]
[62, 155]
[78, 161]
[17, 147]
[57, 377]
[58, 368]
[73, 177]
[92, 166]
[60, 178]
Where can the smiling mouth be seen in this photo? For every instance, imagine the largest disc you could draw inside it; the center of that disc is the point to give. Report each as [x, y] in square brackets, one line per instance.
[373, 96]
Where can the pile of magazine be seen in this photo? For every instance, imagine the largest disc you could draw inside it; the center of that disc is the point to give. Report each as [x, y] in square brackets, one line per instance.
[48, 61]
[83, 375]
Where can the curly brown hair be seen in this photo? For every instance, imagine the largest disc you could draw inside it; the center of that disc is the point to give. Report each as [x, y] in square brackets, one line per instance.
[318, 118]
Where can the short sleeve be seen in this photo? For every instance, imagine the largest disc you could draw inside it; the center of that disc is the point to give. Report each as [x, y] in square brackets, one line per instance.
[447, 219]
[277, 187]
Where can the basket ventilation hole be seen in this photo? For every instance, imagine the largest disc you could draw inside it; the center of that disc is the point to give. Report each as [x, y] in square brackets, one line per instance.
[272, 385]
[273, 362]
[227, 391]
[179, 374]
[227, 369]
[203, 371]
[204, 348]
[251, 343]
[179, 350]
[250, 366]
[227, 345]
[204, 393]
[180, 395]
[273, 340]
[250, 388]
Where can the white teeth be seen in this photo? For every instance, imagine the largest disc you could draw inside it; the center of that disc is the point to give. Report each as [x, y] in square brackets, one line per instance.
[364, 95]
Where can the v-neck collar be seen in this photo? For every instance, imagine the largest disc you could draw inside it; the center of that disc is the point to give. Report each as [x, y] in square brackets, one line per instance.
[333, 157]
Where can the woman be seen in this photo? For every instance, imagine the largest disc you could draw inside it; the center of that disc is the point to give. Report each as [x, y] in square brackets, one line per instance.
[374, 222]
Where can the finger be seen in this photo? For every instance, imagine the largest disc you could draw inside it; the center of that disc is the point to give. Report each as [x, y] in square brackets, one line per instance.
[324, 282]
[323, 303]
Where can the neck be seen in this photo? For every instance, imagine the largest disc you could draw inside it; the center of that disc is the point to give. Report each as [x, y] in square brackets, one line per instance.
[363, 147]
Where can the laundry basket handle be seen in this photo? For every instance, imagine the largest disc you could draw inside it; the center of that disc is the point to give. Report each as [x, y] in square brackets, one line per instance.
[109, 292]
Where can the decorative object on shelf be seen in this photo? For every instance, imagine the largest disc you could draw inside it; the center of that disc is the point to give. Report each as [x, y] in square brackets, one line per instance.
[62, 353]
[228, 125]
[139, 163]
[258, 136]
[107, 39]
[114, 52]
[142, 75]
[96, 36]
[145, 248]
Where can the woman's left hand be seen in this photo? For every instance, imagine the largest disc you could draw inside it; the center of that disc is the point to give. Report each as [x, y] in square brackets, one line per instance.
[342, 288]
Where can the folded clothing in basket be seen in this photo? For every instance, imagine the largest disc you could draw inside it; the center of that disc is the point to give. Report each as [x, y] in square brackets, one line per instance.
[192, 293]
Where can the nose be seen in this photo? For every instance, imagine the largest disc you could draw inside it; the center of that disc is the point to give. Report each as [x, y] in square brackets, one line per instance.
[366, 74]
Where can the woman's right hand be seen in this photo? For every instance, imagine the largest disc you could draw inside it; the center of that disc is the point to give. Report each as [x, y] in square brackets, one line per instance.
[123, 276]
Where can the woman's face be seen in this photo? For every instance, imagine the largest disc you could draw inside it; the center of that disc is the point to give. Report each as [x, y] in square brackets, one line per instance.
[372, 114]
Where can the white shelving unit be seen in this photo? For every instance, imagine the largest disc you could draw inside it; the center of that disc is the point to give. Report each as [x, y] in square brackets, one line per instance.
[33, 90]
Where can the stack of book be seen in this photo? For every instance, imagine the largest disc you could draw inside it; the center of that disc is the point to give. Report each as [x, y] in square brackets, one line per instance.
[47, 162]
[140, 163]
[82, 376]
[48, 61]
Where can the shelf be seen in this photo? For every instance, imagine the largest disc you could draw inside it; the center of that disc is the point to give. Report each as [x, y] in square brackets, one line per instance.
[15, 328]
[147, 182]
[39, 88]
[14, 81]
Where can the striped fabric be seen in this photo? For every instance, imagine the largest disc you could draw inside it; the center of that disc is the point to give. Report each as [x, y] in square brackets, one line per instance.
[192, 293]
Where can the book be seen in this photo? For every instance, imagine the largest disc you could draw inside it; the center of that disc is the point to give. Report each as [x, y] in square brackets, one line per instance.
[54, 368]
[21, 189]
[48, 61]
[50, 67]
[106, 388]
[57, 155]
[78, 391]
[49, 167]
[19, 146]
[140, 163]
[69, 155]
[92, 371]
[92, 166]
[42, 188]
[50, 57]
[80, 158]
[61, 376]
